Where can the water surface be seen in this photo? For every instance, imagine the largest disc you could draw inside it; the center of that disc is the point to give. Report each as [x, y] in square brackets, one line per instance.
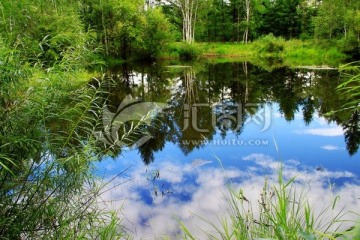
[229, 124]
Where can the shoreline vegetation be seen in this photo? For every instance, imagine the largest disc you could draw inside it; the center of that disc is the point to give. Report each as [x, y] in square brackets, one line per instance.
[268, 50]
[289, 53]
[275, 51]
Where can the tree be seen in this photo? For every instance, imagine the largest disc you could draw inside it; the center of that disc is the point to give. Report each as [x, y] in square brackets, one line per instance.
[189, 11]
[125, 29]
[247, 7]
[330, 18]
[156, 34]
[280, 17]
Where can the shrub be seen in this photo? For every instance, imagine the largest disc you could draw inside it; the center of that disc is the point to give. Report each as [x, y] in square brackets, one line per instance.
[188, 51]
[156, 35]
[269, 46]
[350, 46]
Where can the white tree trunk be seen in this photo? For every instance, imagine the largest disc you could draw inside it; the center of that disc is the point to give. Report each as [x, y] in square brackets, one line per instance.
[189, 13]
[247, 19]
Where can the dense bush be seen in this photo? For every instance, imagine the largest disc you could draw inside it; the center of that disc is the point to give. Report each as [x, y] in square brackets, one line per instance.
[269, 46]
[188, 51]
[156, 35]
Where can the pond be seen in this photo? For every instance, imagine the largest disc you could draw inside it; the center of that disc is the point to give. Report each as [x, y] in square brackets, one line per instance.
[215, 125]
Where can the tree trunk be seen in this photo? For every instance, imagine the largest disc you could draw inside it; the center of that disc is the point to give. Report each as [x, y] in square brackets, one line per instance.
[189, 12]
[106, 42]
[247, 19]
[245, 67]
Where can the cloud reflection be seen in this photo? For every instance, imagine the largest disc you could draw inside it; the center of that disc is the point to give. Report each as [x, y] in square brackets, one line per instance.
[326, 132]
[153, 208]
[331, 148]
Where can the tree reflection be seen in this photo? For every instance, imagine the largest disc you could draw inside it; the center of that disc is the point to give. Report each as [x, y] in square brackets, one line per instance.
[209, 99]
[352, 132]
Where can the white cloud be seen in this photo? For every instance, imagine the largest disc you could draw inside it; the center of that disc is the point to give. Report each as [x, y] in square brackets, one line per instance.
[293, 162]
[331, 147]
[327, 132]
[263, 160]
[110, 166]
[199, 162]
[322, 121]
[206, 193]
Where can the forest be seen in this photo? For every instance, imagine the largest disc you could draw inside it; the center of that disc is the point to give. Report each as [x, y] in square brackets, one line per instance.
[45, 33]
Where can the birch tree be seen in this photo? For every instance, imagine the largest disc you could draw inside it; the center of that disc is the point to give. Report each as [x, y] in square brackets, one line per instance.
[247, 6]
[189, 12]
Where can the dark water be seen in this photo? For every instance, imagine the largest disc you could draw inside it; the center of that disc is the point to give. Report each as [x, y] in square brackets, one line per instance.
[224, 123]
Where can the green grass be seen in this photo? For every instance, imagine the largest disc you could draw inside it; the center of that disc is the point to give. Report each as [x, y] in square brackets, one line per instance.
[299, 52]
[291, 52]
[226, 50]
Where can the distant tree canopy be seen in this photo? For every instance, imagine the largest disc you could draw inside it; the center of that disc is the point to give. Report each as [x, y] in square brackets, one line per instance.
[239, 20]
[48, 31]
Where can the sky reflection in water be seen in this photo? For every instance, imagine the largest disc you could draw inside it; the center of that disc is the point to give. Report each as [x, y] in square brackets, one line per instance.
[185, 191]
[178, 186]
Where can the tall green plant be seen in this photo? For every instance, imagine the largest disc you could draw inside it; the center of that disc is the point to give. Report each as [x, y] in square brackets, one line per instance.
[350, 90]
[49, 191]
[350, 86]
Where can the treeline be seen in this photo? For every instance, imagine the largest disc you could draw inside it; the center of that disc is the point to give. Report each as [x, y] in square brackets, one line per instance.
[248, 20]
[46, 32]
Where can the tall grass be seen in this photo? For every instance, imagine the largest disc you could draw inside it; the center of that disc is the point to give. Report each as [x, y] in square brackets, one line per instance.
[47, 146]
[282, 211]
[350, 87]
[185, 51]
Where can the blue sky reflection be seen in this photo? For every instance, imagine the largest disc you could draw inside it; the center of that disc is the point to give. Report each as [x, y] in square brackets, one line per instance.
[184, 192]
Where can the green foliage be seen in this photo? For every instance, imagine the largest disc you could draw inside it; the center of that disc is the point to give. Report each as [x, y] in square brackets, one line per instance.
[188, 51]
[337, 19]
[125, 29]
[329, 20]
[349, 88]
[308, 53]
[289, 53]
[46, 134]
[118, 24]
[350, 85]
[51, 193]
[46, 38]
[156, 35]
[219, 22]
[352, 233]
[281, 17]
[270, 46]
